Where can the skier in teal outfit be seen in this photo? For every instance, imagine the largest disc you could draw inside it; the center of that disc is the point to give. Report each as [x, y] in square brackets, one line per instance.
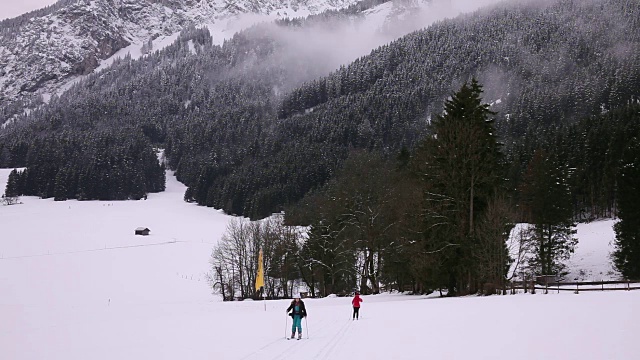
[299, 312]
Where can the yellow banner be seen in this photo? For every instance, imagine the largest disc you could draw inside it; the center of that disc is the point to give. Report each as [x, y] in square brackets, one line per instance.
[260, 276]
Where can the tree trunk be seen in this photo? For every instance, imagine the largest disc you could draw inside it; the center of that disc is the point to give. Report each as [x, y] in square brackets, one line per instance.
[378, 270]
[313, 286]
[219, 270]
[542, 255]
[549, 254]
[471, 207]
[372, 275]
[364, 274]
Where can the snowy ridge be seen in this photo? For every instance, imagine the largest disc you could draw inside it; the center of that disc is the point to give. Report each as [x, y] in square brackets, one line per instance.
[45, 52]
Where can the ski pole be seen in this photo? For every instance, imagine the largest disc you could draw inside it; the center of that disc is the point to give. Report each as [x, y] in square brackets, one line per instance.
[285, 325]
[306, 324]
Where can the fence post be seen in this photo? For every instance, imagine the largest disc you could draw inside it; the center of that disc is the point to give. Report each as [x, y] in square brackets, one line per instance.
[533, 285]
[577, 285]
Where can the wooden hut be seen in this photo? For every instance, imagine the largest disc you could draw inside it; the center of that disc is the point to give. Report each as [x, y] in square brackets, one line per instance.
[142, 231]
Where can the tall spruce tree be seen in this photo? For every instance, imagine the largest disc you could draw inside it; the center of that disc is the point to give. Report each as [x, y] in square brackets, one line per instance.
[14, 187]
[627, 254]
[546, 199]
[460, 163]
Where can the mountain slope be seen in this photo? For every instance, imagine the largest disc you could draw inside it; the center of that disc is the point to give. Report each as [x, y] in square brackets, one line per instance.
[246, 137]
[542, 67]
[38, 55]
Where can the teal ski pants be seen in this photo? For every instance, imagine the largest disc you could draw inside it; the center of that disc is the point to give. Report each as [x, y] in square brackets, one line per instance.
[297, 323]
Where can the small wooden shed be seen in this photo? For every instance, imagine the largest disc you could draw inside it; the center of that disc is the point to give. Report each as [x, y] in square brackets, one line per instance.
[142, 231]
[546, 279]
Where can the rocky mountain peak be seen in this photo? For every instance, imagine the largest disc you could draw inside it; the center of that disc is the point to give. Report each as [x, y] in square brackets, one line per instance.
[40, 54]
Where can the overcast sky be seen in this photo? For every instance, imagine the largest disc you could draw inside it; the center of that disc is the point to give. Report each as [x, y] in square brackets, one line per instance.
[13, 8]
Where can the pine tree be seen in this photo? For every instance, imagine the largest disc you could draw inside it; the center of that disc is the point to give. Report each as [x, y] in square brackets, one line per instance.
[627, 253]
[60, 190]
[547, 202]
[460, 164]
[13, 187]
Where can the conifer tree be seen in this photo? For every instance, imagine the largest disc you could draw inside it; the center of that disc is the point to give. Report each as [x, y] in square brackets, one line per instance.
[13, 187]
[460, 164]
[627, 254]
[546, 200]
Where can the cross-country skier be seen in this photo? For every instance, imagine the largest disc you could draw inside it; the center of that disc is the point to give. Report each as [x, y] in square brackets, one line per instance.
[299, 312]
[356, 305]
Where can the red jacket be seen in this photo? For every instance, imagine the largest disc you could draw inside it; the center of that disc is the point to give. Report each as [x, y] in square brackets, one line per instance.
[356, 301]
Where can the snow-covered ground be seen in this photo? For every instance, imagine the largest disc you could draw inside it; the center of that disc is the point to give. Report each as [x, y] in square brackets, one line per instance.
[76, 283]
[591, 261]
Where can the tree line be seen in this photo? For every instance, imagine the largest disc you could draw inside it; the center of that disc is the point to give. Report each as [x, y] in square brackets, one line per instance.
[89, 167]
[437, 217]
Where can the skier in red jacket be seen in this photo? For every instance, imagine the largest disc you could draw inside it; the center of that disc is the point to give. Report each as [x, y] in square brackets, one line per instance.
[356, 305]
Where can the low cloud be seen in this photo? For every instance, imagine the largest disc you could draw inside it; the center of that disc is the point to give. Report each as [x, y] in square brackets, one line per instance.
[327, 46]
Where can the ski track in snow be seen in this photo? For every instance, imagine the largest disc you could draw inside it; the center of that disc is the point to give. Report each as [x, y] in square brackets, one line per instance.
[335, 342]
[328, 338]
[324, 339]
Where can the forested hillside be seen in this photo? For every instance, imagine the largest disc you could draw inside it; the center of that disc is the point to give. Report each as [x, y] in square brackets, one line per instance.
[541, 67]
[251, 126]
[592, 149]
[44, 51]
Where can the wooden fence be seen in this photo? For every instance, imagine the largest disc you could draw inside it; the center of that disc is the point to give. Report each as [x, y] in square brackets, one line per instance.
[575, 286]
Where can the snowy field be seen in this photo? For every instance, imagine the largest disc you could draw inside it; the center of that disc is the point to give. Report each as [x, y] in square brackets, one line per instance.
[76, 284]
[592, 261]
